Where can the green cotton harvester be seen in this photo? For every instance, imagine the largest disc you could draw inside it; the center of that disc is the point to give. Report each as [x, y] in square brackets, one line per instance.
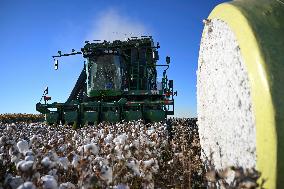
[118, 82]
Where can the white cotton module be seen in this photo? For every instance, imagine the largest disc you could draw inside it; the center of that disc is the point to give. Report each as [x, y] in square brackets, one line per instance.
[224, 105]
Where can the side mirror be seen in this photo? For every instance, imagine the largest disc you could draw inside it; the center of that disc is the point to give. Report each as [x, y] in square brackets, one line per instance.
[56, 64]
[168, 59]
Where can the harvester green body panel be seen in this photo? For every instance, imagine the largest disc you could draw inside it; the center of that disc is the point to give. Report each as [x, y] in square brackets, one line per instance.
[70, 116]
[132, 115]
[91, 117]
[154, 115]
[52, 117]
[111, 116]
[118, 82]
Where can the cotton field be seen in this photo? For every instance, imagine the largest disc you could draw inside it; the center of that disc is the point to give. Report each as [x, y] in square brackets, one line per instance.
[122, 155]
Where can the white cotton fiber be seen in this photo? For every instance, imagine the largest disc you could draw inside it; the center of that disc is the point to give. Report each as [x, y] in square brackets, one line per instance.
[49, 182]
[224, 104]
[23, 146]
[93, 148]
[27, 185]
[25, 165]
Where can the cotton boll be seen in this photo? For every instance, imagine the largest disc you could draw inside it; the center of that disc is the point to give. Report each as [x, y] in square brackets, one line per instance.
[134, 143]
[148, 177]
[53, 172]
[148, 163]
[99, 159]
[27, 185]
[15, 158]
[3, 140]
[49, 182]
[91, 158]
[80, 150]
[75, 161]
[30, 158]
[106, 174]
[2, 148]
[93, 148]
[29, 153]
[67, 185]
[53, 156]
[33, 139]
[150, 131]
[155, 167]
[134, 166]
[13, 151]
[47, 162]
[120, 139]
[148, 185]
[118, 152]
[102, 162]
[87, 140]
[36, 176]
[122, 186]
[10, 142]
[126, 147]
[147, 151]
[64, 162]
[60, 141]
[51, 141]
[25, 165]
[108, 138]
[13, 182]
[23, 146]
[127, 154]
[179, 155]
[62, 148]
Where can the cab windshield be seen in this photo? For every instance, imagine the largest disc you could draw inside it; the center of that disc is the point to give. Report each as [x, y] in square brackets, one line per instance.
[104, 72]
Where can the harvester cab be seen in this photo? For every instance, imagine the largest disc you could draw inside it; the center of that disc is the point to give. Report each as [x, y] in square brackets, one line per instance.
[118, 82]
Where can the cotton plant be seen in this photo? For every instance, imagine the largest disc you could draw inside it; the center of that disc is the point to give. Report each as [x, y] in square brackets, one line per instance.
[121, 155]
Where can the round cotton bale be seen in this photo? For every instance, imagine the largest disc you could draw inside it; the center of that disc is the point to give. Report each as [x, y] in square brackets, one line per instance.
[240, 88]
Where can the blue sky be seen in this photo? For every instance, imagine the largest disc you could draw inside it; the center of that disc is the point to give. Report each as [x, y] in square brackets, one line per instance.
[31, 31]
